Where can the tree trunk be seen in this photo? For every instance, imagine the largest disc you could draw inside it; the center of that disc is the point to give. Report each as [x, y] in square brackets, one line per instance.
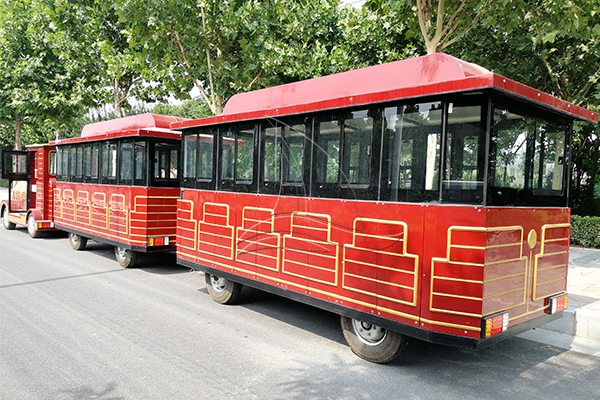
[117, 99]
[18, 128]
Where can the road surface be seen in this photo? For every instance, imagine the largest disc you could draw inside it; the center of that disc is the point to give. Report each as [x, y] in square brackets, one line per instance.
[75, 325]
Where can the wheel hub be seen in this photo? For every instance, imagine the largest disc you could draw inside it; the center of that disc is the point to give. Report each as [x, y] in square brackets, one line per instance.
[217, 283]
[368, 333]
[121, 252]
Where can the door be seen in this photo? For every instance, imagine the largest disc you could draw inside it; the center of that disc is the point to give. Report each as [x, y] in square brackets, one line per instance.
[15, 168]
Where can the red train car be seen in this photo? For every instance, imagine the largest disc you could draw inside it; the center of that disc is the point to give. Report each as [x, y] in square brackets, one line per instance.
[32, 178]
[118, 184]
[424, 198]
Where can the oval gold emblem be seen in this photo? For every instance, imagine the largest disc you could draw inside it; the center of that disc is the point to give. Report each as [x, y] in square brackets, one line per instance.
[532, 238]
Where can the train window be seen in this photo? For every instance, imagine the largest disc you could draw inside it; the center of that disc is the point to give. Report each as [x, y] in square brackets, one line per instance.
[227, 154]
[293, 153]
[63, 163]
[327, 152]
[140, 163]
[166, 164]
[79, 162]
[108, 162]
[190, 155]
[87, 159]
[126, 163]
[237, 157]
[548, 157]
[272, 153]
[52, 163]
[72, 161]
[358, 134]
[527, 160]
[464, 155]
[411, 152]
[205, 155]
[244, 155]
[94, 159]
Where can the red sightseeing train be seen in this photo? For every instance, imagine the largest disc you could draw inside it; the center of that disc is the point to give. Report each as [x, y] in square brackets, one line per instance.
[423, 198]
[116, 184]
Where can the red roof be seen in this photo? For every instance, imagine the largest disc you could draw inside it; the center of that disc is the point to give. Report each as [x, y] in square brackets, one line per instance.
[136, 125]
[415, 77]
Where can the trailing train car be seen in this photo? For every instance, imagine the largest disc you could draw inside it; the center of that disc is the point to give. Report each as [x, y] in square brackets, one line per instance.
[423, 198]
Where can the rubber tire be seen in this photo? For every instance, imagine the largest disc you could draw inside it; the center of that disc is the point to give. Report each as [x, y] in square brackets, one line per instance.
[125, 257]
[7, 224]
[31, 227]
[222, 290]
[77, 242]
[381, 351]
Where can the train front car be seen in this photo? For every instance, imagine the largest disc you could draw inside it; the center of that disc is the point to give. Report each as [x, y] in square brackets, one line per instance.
[424, 198]
[118, 184]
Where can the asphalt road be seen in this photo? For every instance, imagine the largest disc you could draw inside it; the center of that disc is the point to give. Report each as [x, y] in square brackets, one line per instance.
[75, 325]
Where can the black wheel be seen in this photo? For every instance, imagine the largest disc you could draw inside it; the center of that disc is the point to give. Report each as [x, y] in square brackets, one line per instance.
[372, 343]
[126, 258]
[77, 242]
[32, 227]
[222, 290]
[7, 224]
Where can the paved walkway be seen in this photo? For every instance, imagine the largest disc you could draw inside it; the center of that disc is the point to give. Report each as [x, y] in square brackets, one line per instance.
[579, 329]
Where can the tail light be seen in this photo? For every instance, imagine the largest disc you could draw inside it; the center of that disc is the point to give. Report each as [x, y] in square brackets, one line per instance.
[557, 303]
[158, 241]
[494, 324]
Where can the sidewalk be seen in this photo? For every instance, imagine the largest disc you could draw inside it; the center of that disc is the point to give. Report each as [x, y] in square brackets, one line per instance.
[579, 328]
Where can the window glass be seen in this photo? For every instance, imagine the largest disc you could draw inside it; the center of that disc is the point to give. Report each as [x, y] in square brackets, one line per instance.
[358, 133]
[526, 153]
[228, 154]
[52, 163]
[65, 161]
[328, 152]
[245, 155]
[272, 158]
[293, 153]
[126, 163]
[72, 160]
[411, 156]
[112, 160]
[190, 155]
[87, 159]
[548, 157]
[173, 163]
[205, 155]
[166, 157]
[463, 148]
[79, 162]
[464, 155]
[140, 162]
[94, 159]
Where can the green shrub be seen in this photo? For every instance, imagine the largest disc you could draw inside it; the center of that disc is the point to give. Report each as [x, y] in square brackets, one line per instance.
[585, 231]
[3, 182]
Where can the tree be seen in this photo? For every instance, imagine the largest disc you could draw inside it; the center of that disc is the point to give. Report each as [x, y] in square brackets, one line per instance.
[225, 47]
[440, 23]
[37, 84]
[370, 37]
[91, 31]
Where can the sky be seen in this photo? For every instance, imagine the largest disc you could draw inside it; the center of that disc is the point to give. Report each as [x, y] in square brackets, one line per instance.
[355, 3]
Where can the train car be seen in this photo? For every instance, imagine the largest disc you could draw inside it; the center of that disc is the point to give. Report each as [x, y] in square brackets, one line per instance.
[118, 184]
[31, 176]
[423, 198]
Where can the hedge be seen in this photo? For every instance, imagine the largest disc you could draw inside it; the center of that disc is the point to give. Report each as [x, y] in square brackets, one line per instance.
[585, 231]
